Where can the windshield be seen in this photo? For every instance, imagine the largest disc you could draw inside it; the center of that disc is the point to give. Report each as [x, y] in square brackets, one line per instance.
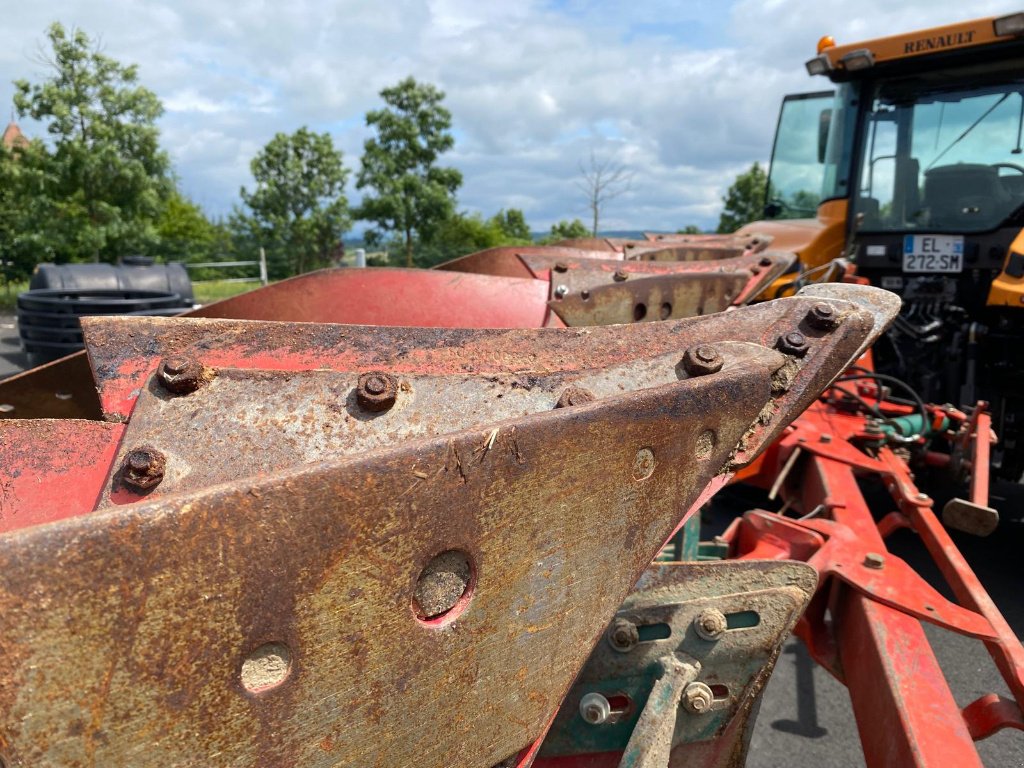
[795, 174]
[941, 160]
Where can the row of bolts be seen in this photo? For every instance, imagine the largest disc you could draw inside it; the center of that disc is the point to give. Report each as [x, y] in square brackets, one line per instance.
[376, 391]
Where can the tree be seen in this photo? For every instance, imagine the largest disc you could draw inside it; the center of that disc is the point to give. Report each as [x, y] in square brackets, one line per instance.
[408, 193]
[566, 230]
[744, 200]
[513, 224]
[602, 181]
[299, 205]
[98, 185]
[689, 229]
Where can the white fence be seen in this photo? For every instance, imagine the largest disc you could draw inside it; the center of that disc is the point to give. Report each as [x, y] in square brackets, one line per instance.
[261, 263]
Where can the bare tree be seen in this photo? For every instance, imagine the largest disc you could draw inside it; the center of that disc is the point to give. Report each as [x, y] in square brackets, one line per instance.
[601, 181]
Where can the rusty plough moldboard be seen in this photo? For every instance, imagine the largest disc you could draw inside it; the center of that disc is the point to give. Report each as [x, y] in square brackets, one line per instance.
[300, 544]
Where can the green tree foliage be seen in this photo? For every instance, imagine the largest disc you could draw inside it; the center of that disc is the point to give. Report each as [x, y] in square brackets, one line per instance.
[463, 233]
[689, 229]
[95, 189]
[408, 194]
[298, 208]
[744, 200]
[567, 230]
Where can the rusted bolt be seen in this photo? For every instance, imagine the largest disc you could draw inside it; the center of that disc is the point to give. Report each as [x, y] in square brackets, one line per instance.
[376, 391]
[825, 438]
[619, 276]
[643, 464]
[792, 343]
[710, 624]
[573, 396]
[441, 585]
[697, 698]
[701, 360]
[765, 261]
[180, 375]
[755, 270]
[143, 468]
[874, 560]
[623, 635]
[560, 291]
[822, 316]
[561, 266]
[595, 708]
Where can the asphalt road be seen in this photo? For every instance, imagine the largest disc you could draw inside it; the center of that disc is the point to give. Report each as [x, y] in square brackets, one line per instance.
[806, 718]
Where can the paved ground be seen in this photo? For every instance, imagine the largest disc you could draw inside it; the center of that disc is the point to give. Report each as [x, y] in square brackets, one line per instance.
[806, 718]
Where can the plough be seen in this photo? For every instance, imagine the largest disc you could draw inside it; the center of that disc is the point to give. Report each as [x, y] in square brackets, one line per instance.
[450, 518]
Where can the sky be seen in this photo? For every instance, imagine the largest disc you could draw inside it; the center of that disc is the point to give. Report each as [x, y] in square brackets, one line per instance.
[683, 95]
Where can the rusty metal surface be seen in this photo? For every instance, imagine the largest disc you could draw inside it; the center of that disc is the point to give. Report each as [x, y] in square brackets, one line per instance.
[51, 469]
[289, 418]
[125, 631]
[412, 297]
[646, 299]
[507, 260]
[63, 389]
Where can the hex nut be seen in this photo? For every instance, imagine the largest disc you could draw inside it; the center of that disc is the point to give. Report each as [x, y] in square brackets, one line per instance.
[561, 291]
[623, 635]
[376, 391]
[710, 624]
[180, 375]
[620, 276]
[143, 468]
[823, 317]
[573, 396]
[697, 698]
[792, 343]
[701, 360]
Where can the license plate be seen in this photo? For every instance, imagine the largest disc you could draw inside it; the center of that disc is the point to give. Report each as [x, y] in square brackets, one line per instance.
[933, 253]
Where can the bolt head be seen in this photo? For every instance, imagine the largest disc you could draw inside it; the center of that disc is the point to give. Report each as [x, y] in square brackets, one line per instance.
[702, 360]
[792, 343]
[823, 316]
[620, 275]
[561, 291]
[180, 375]
[376, 391]
[561, 266]
[874, 560]
[710, 624]
[595, 708]
[623, 635]
[143, 468]
[697, 698]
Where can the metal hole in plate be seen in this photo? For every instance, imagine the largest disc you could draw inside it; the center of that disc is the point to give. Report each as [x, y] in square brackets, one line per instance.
[6, 408]
[639, 312]
[666, 311]
[584, 295]
[266, 667]
[443, 588]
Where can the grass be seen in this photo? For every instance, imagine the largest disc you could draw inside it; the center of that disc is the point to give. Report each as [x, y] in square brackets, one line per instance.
[204, 292]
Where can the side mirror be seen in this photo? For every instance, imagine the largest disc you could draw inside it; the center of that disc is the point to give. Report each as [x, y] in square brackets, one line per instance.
[824, 123]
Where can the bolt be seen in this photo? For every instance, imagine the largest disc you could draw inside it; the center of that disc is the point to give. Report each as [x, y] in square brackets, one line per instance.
[376, 391]
[701, 360]
[595, 709]
[710, 624]
[922, 497]
[180, 375]
[792, 343]
[623, 635]
[697, 698]
[822, 316]
[573, 396]
[755, 270]
[143, 468]
[560, 291]
[619, 276]
[874, 560]
[561, 266]
[826, 438]
[765, 261]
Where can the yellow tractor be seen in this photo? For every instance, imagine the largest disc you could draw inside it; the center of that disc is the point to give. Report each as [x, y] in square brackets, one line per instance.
[911, 171]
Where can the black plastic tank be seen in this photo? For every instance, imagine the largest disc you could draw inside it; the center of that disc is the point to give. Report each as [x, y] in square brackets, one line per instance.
[134, 273]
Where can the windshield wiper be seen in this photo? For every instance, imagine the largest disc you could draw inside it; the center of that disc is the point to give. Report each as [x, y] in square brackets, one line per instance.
[970, 128]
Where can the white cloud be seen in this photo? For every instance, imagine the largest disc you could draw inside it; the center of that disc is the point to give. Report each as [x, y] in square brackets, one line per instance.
[685, 94]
